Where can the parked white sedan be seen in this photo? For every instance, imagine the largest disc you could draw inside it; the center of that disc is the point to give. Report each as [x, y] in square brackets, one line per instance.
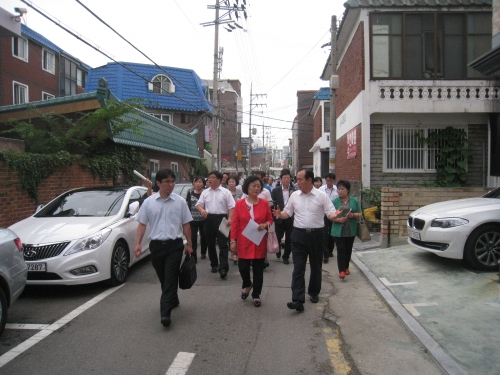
[83, 236]
[466, 229]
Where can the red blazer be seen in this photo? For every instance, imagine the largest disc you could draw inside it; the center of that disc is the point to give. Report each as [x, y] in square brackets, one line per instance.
[262, 213]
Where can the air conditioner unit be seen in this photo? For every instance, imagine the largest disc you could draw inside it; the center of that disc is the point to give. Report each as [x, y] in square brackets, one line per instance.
[334, 81]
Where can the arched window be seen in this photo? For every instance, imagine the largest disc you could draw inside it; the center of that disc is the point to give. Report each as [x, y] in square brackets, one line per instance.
[161, 84]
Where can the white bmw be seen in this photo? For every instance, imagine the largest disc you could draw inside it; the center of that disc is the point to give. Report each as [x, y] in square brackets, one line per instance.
[466, 229]
[83, 236]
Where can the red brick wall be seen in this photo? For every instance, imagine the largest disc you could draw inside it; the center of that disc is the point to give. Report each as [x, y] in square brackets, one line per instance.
[318, 123]
[166, 160]
[351, 71]
[348, 169]
[28, 73]
[306, 141]
[15, 204]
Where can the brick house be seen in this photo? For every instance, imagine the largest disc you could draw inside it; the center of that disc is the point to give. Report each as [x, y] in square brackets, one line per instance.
[320, 112]
[403, 68]
[32, 68]
[302, 134]
[174, 95]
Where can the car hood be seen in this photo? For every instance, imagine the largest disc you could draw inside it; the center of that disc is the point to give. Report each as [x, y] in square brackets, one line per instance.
[459, 207]
[40, 230]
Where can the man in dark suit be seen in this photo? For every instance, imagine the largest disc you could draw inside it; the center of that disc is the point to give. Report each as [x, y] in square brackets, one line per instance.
[280, 195]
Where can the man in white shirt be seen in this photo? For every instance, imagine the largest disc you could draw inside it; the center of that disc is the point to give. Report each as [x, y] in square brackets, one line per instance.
[308, 206]
[331, 190]
[215, 204]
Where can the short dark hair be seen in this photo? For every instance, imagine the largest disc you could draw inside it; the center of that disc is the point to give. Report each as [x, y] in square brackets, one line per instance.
[248, 181]
[217, 175]
[285, 172]
[331, 176]
[260, 173]
[163, 174]
[309, 174]
[345, 184]
[199, 178]
[225, 173]
[233, 177]
[318, 179]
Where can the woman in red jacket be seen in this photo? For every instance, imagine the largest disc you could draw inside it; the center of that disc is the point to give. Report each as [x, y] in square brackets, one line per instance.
[256, 209]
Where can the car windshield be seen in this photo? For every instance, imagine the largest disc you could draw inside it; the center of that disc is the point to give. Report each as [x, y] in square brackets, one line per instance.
[85, 203]
[493, 194]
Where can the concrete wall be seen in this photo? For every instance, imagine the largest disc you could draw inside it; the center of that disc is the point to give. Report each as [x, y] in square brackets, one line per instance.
[398, 203]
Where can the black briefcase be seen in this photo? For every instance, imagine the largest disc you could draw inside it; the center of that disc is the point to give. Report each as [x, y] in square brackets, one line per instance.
[187, 273]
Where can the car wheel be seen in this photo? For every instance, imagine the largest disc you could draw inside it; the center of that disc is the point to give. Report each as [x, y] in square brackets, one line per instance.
[119, 264]
[482, 249]
[3, 310]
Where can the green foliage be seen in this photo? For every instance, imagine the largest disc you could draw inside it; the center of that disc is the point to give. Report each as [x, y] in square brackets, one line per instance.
[373, 195]
[199, 169]
[58, 141]
[32, 169]
[452, 155]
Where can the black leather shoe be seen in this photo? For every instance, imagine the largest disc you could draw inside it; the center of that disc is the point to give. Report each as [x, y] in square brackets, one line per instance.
[278, 254]
[286, 261]
[223, 274]
[165, 320]
[266, 263]
[214, 269]
[314, 299]
[325, 260]
[203, 256]
[296, 305]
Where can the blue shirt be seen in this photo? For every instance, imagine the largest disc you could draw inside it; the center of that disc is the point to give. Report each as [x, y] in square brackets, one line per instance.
[165, 217]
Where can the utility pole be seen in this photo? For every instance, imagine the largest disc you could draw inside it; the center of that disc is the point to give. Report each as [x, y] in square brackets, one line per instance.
[252, 105]
[224, 19]
[333, 96]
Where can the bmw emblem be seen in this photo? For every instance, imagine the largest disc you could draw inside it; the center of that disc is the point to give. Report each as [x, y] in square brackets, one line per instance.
[30, 253]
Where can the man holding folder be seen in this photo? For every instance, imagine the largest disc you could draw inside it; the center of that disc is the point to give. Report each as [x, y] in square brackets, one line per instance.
[215, 204]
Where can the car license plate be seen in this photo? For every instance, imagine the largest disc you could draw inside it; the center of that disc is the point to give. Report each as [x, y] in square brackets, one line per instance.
[414, 235]
[36, 267]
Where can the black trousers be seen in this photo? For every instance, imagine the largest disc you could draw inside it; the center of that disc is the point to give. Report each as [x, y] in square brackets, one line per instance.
[344, 252]
[258, 274]
[285, 228]
[303, 244]
[329, 240]
[195, 227]
[166, 257]
[212, 234]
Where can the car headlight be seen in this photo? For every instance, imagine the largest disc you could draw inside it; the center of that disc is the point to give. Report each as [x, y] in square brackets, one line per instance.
[89, 243]
[448, 222]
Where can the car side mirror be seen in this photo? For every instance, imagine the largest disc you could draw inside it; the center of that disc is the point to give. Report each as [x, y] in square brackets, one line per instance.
[133, 208]
[38, 208]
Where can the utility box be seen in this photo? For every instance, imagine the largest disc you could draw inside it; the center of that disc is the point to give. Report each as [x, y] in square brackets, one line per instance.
[334, 81]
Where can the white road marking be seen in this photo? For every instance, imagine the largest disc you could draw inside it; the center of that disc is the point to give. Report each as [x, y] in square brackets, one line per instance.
[387, 283]
[360, 253]
[13, 353]
[25, 326]
[181, 363]
[413, 311]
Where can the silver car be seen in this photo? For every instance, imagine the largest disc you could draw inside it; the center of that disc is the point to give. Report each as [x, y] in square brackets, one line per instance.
[13, 272]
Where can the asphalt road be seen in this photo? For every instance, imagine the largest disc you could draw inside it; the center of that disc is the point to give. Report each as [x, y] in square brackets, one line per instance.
[101, 330]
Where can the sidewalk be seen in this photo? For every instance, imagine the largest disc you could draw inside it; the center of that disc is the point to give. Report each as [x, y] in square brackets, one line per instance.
[380, 336]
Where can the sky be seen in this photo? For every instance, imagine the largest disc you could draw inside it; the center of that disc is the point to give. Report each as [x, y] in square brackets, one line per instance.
[278, 52]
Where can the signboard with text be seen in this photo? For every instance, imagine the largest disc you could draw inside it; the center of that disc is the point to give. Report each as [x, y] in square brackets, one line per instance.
[351, 144]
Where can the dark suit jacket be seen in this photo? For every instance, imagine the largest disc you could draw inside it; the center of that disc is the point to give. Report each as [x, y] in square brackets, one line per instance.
[277, 195]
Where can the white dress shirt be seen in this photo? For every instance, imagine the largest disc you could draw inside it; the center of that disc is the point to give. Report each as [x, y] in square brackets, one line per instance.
[332, 193]
[216, 201]
[309, 209]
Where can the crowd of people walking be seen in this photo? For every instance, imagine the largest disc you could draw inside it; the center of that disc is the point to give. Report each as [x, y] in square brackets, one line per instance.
[234, 215]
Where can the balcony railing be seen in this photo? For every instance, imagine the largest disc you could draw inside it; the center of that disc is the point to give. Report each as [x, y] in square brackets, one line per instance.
[439, 92]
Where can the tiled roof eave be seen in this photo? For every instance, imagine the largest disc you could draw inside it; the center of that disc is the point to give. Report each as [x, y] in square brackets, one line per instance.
[415, 3]
[151, 147]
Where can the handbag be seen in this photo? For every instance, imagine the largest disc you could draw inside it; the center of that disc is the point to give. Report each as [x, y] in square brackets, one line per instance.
[272, 240]
[363, 232]
[187, 272]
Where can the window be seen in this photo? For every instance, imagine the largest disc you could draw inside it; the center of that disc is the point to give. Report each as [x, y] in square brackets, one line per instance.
[154, 165]
[428, 45]
[20, 93]
[326, 117]
[20, 48]
[47, 96]
[185, 118]
[174, 166]
[81, 77]
[161, 84]
[403, 151]
[48, 61]
[167, 117]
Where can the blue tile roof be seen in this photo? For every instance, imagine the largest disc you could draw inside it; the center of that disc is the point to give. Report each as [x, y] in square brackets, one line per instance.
[32, 34]
[322, 94]
[189, 92]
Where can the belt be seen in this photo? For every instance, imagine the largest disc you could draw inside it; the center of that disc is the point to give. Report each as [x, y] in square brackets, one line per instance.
[166, 242]
[217, 214]
[308, 230]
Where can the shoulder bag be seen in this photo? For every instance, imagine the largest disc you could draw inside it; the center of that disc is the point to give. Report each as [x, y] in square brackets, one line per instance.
[363, 232]
[272, 240]
[187, 272]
